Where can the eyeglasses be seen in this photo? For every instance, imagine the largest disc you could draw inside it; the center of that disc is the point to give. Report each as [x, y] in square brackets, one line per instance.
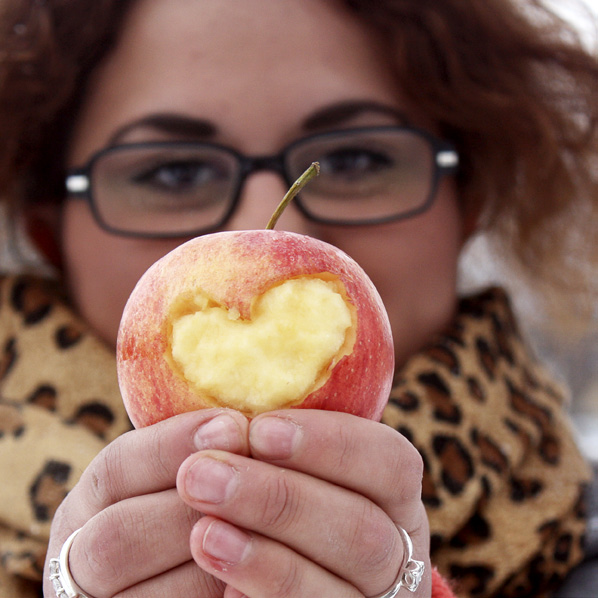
[174, 189]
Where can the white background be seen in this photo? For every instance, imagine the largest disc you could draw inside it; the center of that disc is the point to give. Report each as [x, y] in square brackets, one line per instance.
[580, 12]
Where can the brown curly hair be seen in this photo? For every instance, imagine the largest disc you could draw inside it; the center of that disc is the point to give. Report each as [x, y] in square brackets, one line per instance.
[47, 50]
[507, 81]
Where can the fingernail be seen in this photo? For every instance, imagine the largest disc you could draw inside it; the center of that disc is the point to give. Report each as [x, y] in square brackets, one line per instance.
[274, 437]
[209, 480]
[226, 543]
[221, 433]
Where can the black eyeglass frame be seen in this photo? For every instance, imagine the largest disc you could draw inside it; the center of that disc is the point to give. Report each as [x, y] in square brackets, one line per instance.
[78, 181]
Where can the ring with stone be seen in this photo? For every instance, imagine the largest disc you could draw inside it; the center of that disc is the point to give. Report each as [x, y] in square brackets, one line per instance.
[410, 573]
[60, 574]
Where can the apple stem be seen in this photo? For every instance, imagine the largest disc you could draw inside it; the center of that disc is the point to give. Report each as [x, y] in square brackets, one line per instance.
[310, 173]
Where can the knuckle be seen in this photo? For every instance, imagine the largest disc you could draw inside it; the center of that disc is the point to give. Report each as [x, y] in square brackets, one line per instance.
[104, 475]
[161, 461]
[288, 581]
[374, 541]
[405, 470]
[281, 507]
[63, 517]
[101, 551]
[111, 554]
[346, 452]
[413, 463]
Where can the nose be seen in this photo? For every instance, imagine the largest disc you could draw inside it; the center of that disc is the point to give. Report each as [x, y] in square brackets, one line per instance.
[260, 196]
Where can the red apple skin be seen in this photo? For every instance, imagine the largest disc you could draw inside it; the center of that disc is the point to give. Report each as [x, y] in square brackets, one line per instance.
[233, 268]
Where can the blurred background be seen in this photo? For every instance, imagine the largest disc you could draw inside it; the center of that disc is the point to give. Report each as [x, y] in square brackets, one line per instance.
[575, 360]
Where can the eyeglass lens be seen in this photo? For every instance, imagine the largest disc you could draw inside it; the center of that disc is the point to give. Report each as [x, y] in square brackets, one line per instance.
[164, 188]
[176, 188]
[369, 176]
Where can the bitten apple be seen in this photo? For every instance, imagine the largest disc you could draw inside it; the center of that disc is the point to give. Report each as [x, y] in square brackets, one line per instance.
[255, 321]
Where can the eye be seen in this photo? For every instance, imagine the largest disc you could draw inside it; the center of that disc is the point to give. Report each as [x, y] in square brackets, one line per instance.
[179, 176]
[354, 163]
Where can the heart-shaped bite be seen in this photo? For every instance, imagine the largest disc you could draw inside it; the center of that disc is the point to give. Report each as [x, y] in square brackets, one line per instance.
[254, 320]
[298, 331]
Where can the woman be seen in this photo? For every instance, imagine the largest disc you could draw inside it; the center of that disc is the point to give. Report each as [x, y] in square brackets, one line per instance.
[328, 504]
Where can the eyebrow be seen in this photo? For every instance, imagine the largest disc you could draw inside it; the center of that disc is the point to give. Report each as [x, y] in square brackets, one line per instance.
[196, 128]
[170, 123]
[342, 112]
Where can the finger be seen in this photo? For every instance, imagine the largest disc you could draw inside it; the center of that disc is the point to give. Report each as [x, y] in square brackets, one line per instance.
[132, 541]
[344, 532]
[147, 460]
[186, 580]
[140, 547]
[367, 457]
[257, 566]
[142, 462]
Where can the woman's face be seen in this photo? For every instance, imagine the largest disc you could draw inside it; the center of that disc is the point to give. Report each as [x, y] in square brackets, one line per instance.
[255, 76]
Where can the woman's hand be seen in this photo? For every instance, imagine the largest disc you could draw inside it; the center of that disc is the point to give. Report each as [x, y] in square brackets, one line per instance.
[314, 513]
[135, 537]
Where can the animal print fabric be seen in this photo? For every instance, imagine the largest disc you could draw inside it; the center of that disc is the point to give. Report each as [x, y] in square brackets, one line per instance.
[503, 475]
[504, 479]
[59, 406]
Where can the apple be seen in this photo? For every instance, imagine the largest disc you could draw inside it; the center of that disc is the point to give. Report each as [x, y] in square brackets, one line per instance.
[254, 320]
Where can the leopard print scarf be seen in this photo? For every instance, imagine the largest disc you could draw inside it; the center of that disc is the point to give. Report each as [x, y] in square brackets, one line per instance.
[503, 477]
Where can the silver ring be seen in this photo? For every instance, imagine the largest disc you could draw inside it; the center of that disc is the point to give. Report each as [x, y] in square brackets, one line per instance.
[410, 573]
[60, 574]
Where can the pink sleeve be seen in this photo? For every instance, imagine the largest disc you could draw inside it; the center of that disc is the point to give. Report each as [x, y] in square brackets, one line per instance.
[440, 588]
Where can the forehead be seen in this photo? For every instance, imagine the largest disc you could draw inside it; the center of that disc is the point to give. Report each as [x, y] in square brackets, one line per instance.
[253, 65]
